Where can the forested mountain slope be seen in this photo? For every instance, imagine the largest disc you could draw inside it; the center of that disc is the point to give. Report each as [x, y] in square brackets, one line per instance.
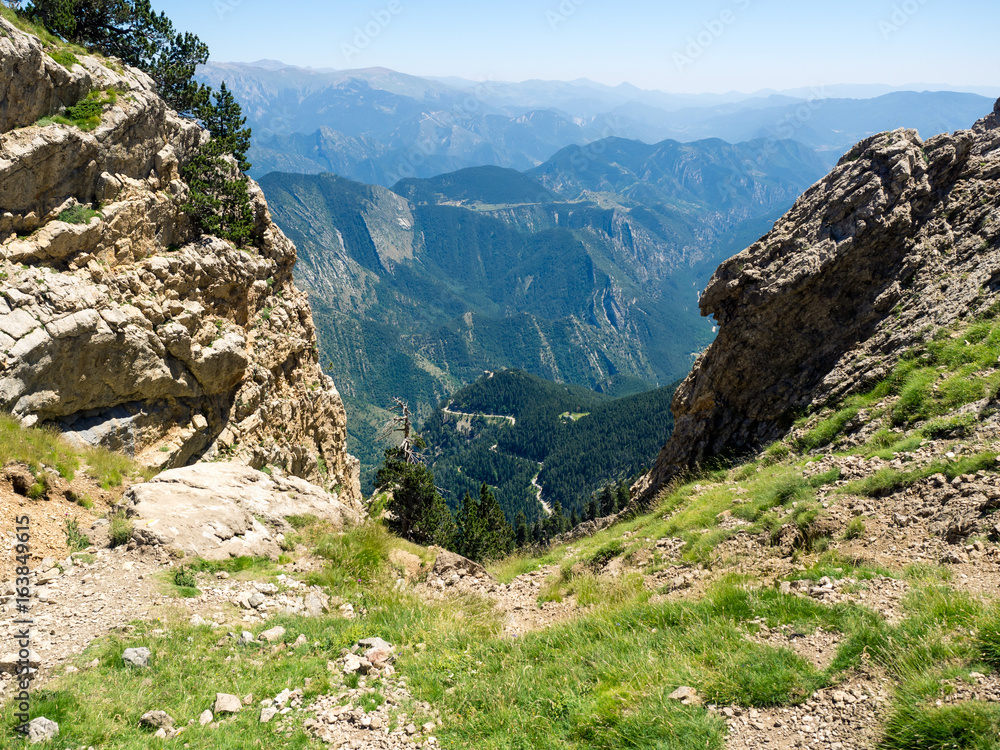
[417, 294]
[533, 440]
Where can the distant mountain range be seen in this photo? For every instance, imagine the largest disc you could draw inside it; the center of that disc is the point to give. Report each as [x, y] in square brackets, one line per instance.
[379, 126]
[584, 271]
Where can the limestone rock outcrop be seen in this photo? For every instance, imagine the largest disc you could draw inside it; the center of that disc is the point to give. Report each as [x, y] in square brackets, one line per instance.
[902, 238]
[222, 510]
[120, 324]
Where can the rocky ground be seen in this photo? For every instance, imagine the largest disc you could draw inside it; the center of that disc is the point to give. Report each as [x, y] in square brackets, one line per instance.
[935, 523]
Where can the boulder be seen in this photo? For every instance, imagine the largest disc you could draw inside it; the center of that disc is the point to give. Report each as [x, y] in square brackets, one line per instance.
[408, 563]
[850, 278]
[157, 720]
[128, 328]
[137, 657]
[227, 704]
[214, 510]
[273, 634]
[448, 564]
[42, 730]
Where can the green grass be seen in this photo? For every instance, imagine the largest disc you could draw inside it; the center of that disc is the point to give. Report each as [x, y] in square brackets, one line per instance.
[85, 114]
[120, 529]
[64, 57]
[357, 558]
[888, 481]
[76, 540]
[78, 215]
[31, 27]
[36, 447]
[185, 578]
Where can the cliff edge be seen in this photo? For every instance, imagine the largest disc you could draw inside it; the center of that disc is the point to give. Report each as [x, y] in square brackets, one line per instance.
[120, 324]
[901, 238]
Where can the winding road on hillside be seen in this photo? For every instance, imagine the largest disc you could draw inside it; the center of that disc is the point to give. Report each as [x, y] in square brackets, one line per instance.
[446, 410]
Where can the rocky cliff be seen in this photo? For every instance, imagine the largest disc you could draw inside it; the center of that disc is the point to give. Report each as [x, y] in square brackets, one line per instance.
[121, 324]
[903, 237]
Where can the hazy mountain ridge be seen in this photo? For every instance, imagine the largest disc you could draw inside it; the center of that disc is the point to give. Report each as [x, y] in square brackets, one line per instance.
[379, 126]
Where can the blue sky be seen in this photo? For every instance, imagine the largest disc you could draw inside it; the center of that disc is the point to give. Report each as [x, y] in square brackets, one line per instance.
[717, 46]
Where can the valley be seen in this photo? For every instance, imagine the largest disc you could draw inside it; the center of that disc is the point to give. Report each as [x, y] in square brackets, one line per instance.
[417, 292]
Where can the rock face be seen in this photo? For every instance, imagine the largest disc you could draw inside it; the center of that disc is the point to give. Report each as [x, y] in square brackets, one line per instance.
[131, 330]
[901, 238]
[222, 510]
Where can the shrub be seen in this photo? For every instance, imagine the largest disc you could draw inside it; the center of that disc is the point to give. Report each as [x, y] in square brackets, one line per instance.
[855, 529]
[64, 57]
[78, 215]
[988, 640]
[120, 530]
[76, 540]
[605, 554]
[360, 555]
[185, 578]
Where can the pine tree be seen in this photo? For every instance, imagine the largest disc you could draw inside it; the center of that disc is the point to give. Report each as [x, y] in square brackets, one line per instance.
[131, 31]
[498, 537]
[219, 200]
[607, 502]
[470, 528]
[521, 534]
[574, 519]
[591, 512]
[622, 498]
[416, 511]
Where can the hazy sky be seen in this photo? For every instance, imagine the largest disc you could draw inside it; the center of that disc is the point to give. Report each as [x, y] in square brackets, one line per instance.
[716, 46]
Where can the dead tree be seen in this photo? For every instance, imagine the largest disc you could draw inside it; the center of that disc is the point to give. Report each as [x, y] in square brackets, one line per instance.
[403, 423]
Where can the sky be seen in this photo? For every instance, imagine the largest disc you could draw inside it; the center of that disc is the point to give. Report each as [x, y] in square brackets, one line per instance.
[682, 47]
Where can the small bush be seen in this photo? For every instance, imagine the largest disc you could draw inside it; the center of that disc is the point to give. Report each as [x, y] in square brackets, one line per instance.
[962, 425]
[988, 640]
[855, 529]
[185, 578]
[120, 529]
[290, 542]
[78, 215]
[39, 488]
[828, 429]
[827, 477]
[971, 726]
[76, 540]
[914, 396]
[359, 556]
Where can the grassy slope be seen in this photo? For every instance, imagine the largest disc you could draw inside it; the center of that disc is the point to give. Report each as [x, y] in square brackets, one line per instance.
[602, 680]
